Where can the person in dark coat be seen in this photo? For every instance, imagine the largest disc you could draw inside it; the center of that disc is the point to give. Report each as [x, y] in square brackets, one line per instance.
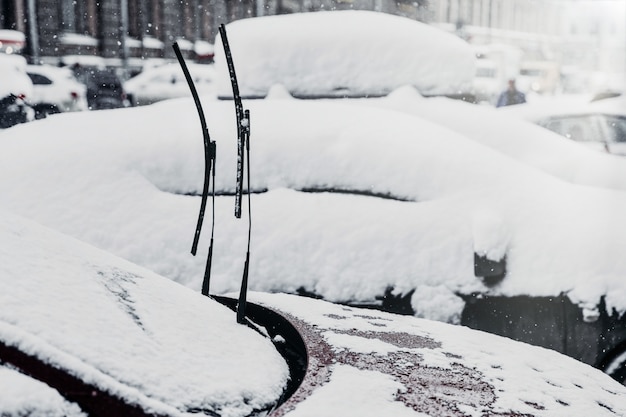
[511, 96]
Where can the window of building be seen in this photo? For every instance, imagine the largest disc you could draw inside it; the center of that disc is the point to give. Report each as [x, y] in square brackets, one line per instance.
[78, 16]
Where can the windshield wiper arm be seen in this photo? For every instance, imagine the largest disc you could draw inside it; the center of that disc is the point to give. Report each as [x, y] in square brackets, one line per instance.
[209, 167]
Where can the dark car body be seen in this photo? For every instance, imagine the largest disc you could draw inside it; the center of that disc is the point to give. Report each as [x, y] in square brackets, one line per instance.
[104, 88]
[14, 110]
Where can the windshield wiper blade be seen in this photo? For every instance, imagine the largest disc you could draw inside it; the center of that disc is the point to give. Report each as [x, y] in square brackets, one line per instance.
[243, 145]
[209, 167]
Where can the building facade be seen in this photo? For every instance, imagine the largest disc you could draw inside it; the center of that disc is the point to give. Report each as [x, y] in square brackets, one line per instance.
[128, 30]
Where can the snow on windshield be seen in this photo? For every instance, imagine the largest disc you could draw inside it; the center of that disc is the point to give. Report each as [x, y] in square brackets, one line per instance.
[121, 180]
[353, 53]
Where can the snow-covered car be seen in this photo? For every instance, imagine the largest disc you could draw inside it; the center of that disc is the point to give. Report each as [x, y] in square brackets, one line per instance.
[600, 125]
[16, 90]
[55, 90]
[445, 66]
[540, 77]
[371, 204]
[487, 81]
[168, 81]
[339, 60]
[505, 131]
[11, 41]
[83, 332]
[104, 87]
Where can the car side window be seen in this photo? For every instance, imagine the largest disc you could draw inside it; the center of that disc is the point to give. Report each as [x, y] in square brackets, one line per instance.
[579, 128]
[617, 127]
[39, 79]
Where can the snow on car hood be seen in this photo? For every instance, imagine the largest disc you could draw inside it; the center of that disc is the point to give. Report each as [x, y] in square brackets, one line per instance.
[172, 352]
[128, 331]
[124, 181]
[387, 365]
[353, 53]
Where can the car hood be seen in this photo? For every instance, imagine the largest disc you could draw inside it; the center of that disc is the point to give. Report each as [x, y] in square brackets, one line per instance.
[387, 364]
[142, 344]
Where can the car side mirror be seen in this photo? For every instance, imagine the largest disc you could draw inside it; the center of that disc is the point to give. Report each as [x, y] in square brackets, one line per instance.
[492, 272]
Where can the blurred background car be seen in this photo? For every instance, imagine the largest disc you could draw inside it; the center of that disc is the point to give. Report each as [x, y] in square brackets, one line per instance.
[600, 130]
[15, 91]
[55, 90]
[104, 87]
[168, 81]
[600, 124]
[541, 77]
[487, 82]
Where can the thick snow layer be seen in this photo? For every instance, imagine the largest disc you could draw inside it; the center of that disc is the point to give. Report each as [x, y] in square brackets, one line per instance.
[410, 367]
[117, 179]
[502, 130]
[127, 330]
[354, 53]
[155, 344]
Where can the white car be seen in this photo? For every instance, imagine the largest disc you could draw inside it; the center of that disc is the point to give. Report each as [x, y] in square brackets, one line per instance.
[168, 81]
[56, 90]
[488, 82]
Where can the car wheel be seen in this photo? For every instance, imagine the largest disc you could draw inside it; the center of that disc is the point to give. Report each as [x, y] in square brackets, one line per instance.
[43, 110]
[616, 366]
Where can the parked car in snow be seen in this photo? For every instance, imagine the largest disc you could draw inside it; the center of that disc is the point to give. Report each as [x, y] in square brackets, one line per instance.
[83, 332]
[488, 81]
[341, 61]
[104, 87]
[168, 81]
[370, 202]
[541, 77]
[11, 41]
[600, 125]
[381, 218]
[55, 90]
[16, 90]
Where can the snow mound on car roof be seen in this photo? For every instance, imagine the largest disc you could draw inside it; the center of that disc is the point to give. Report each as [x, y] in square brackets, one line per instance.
[128, 331]
[343, 53]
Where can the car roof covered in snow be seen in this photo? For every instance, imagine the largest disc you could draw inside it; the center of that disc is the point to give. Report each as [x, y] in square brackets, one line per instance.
[352, 53]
